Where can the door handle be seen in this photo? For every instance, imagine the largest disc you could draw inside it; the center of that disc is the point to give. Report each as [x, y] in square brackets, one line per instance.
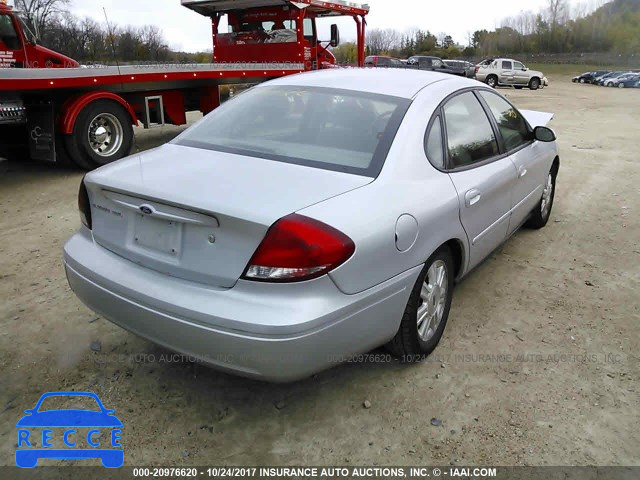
[472, 197]
[522, 172]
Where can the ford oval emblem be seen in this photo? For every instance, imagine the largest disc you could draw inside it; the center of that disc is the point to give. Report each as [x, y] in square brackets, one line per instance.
[147, 210]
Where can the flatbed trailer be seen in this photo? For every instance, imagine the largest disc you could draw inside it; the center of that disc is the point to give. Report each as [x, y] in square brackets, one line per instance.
[85, 116]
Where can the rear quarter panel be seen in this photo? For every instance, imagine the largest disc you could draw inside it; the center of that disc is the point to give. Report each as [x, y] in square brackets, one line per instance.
[408, 184]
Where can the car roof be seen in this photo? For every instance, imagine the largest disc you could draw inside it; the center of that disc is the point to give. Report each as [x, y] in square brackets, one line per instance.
[397, 82]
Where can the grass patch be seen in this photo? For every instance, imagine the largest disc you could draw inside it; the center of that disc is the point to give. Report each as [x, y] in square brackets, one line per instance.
[571, 69]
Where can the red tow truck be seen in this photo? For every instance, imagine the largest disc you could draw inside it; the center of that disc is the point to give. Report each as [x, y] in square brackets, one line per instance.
[53, 109]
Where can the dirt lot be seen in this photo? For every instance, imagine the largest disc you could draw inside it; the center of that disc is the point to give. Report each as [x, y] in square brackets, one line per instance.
[539, 364]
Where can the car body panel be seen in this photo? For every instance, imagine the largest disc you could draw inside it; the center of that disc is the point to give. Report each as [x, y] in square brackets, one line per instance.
[537, 119]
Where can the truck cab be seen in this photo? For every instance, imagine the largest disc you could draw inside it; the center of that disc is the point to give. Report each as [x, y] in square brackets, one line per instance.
[18, 47]
[272, 32]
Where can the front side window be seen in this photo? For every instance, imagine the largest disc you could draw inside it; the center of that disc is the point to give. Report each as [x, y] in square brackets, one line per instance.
[512, 125]
[507, 66]
[518, 66]
[8, 34]
[331, 129]
[470, 138]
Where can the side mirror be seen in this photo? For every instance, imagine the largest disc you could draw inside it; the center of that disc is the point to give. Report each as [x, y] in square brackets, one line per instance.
[335, 36]
[544, 134]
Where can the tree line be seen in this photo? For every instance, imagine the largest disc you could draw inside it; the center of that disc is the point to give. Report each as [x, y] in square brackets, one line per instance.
[560, 27]
[89, 41]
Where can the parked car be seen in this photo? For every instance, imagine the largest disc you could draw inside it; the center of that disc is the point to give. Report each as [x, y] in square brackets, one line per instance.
[312, 218]
[509, 72]
[588, 77]
[600, 80]
[461, 67]
[382, 61]
[614, 80]
[434, 64]
[629, 80]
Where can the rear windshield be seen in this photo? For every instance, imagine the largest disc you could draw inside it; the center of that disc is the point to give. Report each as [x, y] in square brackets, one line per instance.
[331, 129]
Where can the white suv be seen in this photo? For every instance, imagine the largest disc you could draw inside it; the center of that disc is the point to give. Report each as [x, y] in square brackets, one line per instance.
[509, 72]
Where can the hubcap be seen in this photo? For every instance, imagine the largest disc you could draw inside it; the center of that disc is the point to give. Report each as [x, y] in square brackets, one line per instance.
[433, 298]
[491, 82]
[105, 134]
[547, 194]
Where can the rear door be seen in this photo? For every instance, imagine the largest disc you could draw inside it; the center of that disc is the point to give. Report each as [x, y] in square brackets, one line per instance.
[482, 177]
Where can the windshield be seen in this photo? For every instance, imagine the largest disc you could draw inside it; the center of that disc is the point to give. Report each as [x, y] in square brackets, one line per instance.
[28, 33]
[331, 129]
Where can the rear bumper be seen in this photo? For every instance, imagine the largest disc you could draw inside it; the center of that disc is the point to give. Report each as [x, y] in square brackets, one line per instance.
[273, 332]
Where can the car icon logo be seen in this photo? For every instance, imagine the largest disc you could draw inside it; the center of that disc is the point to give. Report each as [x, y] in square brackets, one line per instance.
[77, 444]
[146, 209]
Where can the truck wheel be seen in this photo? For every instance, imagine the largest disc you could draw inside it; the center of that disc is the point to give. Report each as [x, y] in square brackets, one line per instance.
[492, 81]
[102, 134]
[534, 84]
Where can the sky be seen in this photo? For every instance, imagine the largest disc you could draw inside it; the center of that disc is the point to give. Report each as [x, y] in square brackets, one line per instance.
[188, 31]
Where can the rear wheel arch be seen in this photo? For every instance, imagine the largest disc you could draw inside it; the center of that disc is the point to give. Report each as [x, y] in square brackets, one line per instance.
[457, 251]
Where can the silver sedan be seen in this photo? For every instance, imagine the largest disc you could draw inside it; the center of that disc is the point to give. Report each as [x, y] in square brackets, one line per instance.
[312, 218]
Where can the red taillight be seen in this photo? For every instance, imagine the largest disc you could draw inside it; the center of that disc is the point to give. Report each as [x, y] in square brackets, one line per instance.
[84, 205]
[298, 248]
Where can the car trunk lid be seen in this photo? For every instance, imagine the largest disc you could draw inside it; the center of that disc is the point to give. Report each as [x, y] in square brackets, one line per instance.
[199, 214]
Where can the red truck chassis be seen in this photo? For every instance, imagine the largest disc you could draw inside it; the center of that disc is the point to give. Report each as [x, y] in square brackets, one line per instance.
[86, 115]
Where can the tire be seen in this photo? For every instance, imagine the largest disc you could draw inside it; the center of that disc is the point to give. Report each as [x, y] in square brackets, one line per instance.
[581, 80]
[534, 84]
[541, 214]
[102, 134]
[63, 159]
[408, 343]
[609, 84]
[492, 81]
[621, 85]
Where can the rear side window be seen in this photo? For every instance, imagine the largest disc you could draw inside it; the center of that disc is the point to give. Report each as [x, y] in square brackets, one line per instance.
[470, 137]
[331, 129]
[435, 151]
[512, 125]
[507, 66]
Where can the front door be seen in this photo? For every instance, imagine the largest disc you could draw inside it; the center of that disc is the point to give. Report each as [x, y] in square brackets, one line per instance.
[524, 152]
[12, 52]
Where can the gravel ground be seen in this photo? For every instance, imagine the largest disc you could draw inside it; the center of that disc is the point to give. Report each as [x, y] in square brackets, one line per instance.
[538, 366]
